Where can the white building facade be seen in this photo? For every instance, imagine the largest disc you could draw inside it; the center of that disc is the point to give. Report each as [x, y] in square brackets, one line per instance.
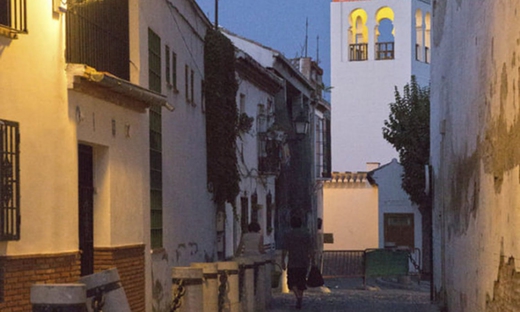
[103, 145]
[257, 154]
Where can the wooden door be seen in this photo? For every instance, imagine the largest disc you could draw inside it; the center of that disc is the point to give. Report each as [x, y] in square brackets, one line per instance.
[86, 208]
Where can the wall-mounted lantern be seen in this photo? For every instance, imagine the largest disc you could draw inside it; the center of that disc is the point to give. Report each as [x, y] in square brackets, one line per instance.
[301, 123]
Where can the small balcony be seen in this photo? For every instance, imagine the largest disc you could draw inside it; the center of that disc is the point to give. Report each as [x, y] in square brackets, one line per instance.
[270, 152]
[97, 35]
[358, 52]
[13, 18]
[384, 51]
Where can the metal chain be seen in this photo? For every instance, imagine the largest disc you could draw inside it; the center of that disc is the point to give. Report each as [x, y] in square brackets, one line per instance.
[177, 297]
[223, 289]
[417, 267]
[98, 301]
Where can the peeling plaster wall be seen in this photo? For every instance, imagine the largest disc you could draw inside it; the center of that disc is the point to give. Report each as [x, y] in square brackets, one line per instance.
[475, 141]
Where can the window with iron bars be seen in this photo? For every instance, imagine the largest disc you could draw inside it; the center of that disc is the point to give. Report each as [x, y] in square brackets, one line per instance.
[156, 174]
[10, 180]
[13, 17]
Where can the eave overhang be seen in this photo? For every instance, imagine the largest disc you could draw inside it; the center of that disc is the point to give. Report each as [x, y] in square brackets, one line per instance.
[105, 86]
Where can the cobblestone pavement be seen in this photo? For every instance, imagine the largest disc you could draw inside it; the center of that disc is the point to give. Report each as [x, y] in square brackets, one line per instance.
[349, 295]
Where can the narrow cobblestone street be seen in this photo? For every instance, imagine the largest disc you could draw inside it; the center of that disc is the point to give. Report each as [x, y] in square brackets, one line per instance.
[349, 295]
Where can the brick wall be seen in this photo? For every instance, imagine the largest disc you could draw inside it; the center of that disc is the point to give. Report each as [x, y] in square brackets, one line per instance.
[505, 290]
[129, 261]
[18, 273]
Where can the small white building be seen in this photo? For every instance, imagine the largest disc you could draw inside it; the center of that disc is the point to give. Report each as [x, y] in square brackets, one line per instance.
[366, 210]
[400, 222]
[350, 215]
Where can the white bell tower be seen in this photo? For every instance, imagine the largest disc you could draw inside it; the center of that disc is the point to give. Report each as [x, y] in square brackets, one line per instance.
[376, 45]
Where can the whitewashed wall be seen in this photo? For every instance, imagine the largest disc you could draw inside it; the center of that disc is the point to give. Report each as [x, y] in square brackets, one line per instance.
[393, 199]
[251, 181]
[189, 214]
[350, 213]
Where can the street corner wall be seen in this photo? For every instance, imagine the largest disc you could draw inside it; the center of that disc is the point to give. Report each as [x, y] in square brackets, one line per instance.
[33, 94]
[474, 138]
[118, 136]
[350, 215]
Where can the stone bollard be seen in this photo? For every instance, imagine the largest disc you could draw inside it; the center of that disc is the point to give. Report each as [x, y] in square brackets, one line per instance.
[105, 291]
[59, 297]
[210, 285]
[229, 273]
[259, 277]
[247, 284]
[187, 289]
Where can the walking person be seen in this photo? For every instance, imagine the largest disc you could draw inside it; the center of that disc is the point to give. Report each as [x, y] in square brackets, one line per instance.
[252, 242]
[297, 244]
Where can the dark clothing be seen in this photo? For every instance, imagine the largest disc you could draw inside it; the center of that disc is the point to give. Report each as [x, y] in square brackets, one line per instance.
[299, 246]
[297, 277]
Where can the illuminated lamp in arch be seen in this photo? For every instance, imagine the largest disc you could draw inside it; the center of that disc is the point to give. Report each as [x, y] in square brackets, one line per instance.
[358, 29]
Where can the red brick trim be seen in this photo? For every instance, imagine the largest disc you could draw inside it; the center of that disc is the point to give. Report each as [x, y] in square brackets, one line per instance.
[129, 261]
[18, 273]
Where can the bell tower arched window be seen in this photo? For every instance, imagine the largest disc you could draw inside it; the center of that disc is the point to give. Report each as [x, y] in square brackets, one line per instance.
[427, 39]
[384, 34]
[358, 36]
[419, 35]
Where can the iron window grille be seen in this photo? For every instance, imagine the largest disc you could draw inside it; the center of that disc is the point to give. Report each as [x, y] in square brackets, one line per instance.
[384, 51]
[156, 185]
[167, 64]
[358, 52]
[154, 61]
[10, 180]
[174, 71]
[13, 17]
[417, 52]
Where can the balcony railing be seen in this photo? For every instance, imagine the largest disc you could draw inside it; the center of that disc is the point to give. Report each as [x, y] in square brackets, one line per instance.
[358, 52]
[13, 17]
[98, 36]
[384, 51]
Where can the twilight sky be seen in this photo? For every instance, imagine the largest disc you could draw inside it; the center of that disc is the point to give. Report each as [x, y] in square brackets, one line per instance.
[279, 24]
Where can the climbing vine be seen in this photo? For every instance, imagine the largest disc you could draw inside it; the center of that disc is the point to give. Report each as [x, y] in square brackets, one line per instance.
[222, 117]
